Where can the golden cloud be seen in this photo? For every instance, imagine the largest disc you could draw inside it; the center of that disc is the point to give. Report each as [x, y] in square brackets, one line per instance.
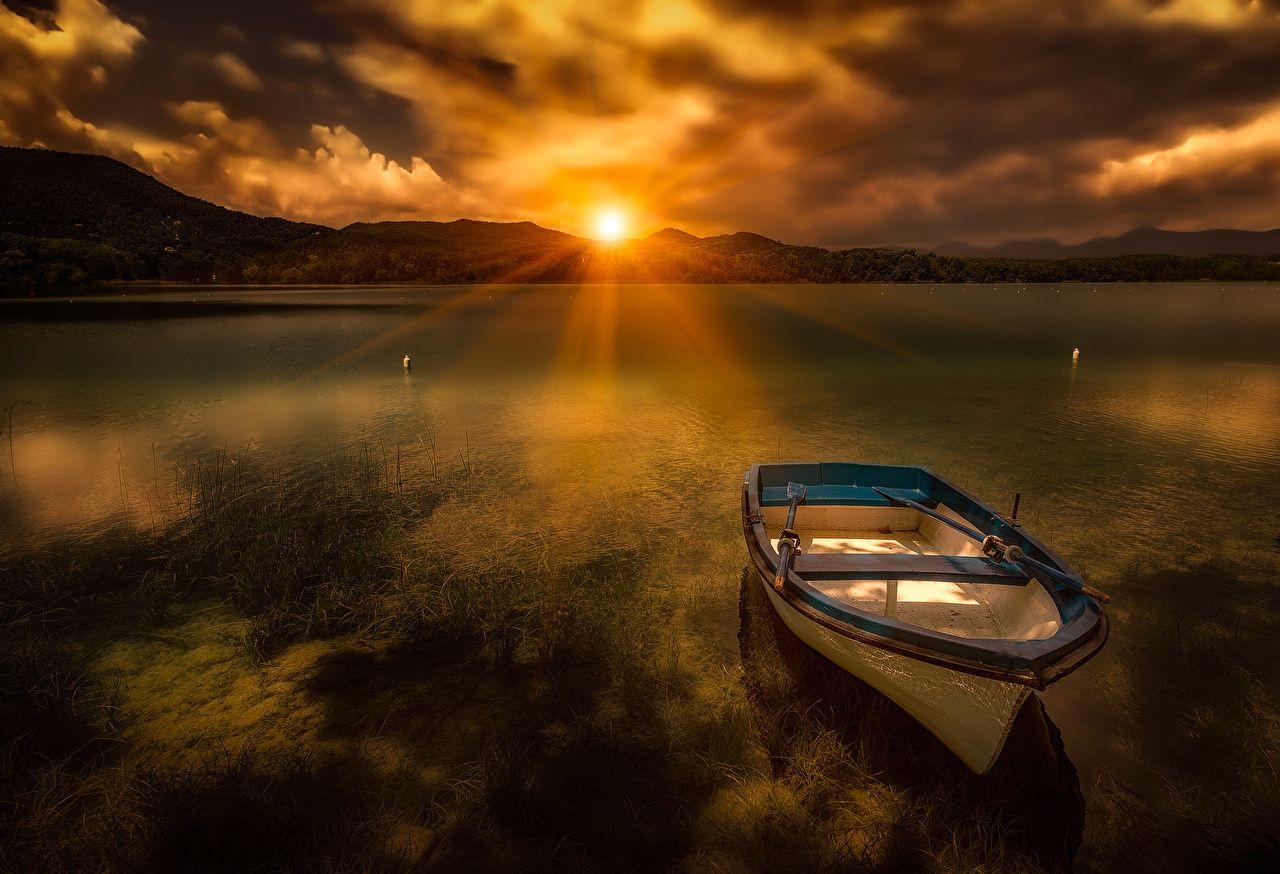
[41, 67]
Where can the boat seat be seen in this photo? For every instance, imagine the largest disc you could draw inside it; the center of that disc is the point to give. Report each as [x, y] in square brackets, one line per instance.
[776, 496]
[905, 566]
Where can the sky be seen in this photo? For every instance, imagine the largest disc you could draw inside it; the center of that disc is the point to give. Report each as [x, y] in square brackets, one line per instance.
[823, 122]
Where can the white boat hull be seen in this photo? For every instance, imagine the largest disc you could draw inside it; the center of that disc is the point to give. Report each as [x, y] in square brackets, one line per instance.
[972, 715]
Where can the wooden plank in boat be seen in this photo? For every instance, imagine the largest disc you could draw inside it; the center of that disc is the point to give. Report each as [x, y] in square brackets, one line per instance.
[899, 566]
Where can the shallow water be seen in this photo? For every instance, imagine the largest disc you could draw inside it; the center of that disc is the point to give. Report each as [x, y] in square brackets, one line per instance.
[1152, 463]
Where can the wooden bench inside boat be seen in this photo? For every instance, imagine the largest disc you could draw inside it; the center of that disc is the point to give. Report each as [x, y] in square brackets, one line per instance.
[963, 595]
[913, 570]
[904, 566]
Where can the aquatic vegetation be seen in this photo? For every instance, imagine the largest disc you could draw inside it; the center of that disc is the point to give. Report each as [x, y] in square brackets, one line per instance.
[857, 784]
[53, 713]
[74, 581]
[303, 554]
[1210, 649]
[342, 666]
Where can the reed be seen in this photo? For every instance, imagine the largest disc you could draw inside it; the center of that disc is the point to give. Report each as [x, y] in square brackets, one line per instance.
[301, 553]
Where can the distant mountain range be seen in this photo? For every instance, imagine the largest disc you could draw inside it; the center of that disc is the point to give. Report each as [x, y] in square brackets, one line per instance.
[70, 219]
[1140, 241]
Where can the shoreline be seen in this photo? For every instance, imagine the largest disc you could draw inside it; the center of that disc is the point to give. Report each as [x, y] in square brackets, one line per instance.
[10, 294]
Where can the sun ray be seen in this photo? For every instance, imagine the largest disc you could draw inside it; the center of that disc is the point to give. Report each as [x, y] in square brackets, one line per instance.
[814, 312]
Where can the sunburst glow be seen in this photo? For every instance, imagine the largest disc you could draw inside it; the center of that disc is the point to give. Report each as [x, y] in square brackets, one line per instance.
[610, 225]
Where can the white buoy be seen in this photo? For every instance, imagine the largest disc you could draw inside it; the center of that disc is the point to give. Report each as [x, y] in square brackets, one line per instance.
[1075, 356]
[408, 362]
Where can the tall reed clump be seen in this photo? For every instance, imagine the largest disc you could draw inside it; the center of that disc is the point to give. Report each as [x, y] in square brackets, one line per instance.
[57, 724]
[307, 553]
[76, 583]
[303, 552]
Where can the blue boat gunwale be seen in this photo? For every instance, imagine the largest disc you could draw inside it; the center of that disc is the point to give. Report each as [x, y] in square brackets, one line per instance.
[1083, 626]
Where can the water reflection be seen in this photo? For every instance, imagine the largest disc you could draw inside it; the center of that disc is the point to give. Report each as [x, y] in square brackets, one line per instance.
[629, 412]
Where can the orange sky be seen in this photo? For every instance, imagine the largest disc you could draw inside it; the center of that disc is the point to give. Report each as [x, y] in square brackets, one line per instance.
[835, 122]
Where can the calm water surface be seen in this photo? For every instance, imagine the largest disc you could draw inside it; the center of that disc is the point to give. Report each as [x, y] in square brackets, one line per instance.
[1152, 463]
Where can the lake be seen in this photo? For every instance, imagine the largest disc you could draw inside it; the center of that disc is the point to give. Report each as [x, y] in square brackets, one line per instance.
[1151, 463]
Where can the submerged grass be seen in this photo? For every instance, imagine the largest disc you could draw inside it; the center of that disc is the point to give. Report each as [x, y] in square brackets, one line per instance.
[301, 554]
[595, 753]
[55, 718]
[856, 784]
[1202, 647]
[419, 689]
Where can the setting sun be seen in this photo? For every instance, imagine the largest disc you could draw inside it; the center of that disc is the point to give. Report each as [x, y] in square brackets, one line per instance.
[610, 225]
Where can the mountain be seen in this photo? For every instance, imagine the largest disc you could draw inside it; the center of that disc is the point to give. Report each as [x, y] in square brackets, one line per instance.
[468, 233]
[68, 220]
[671, 237]
[1040, 248]
[1140, 241]
[464, 250]
[109, 211]
[742, 242]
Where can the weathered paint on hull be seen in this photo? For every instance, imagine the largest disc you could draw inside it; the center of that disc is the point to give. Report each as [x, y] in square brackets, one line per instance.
[972, 715]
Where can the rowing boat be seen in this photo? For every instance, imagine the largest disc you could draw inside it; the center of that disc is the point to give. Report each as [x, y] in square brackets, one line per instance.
[950, 609]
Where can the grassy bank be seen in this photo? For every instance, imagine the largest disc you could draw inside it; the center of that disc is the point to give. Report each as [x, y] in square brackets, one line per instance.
[385, 661]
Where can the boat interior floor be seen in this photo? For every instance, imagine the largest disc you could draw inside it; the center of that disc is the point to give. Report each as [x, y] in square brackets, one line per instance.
[969, 610]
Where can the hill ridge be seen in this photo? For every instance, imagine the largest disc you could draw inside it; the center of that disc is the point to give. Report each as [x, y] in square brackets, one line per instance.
[1138, 241]
[70, 219]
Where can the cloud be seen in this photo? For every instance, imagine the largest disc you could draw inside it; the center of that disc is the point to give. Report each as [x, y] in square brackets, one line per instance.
[302, 50]
[559, 111]
[49, 62]
[827, 121]
[337, 179]
[824, 121]
[1223, 170]
[234, 71]
[237, 161]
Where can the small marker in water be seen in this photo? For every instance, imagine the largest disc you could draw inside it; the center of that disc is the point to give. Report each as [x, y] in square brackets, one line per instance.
[1075, 355]
[408, 362]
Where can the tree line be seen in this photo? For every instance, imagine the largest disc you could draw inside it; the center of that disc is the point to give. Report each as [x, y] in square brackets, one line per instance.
[32, 264]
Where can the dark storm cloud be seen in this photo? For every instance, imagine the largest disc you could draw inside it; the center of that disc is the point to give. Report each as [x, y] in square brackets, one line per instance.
[178, 62]
[1049, 92]
[687, 62]
[1060, 89]
[456, 53]
[806, 10]
[49, 59]
[1028, 81]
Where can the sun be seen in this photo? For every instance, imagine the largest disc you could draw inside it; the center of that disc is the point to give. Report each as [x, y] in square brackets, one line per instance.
[610, 225]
